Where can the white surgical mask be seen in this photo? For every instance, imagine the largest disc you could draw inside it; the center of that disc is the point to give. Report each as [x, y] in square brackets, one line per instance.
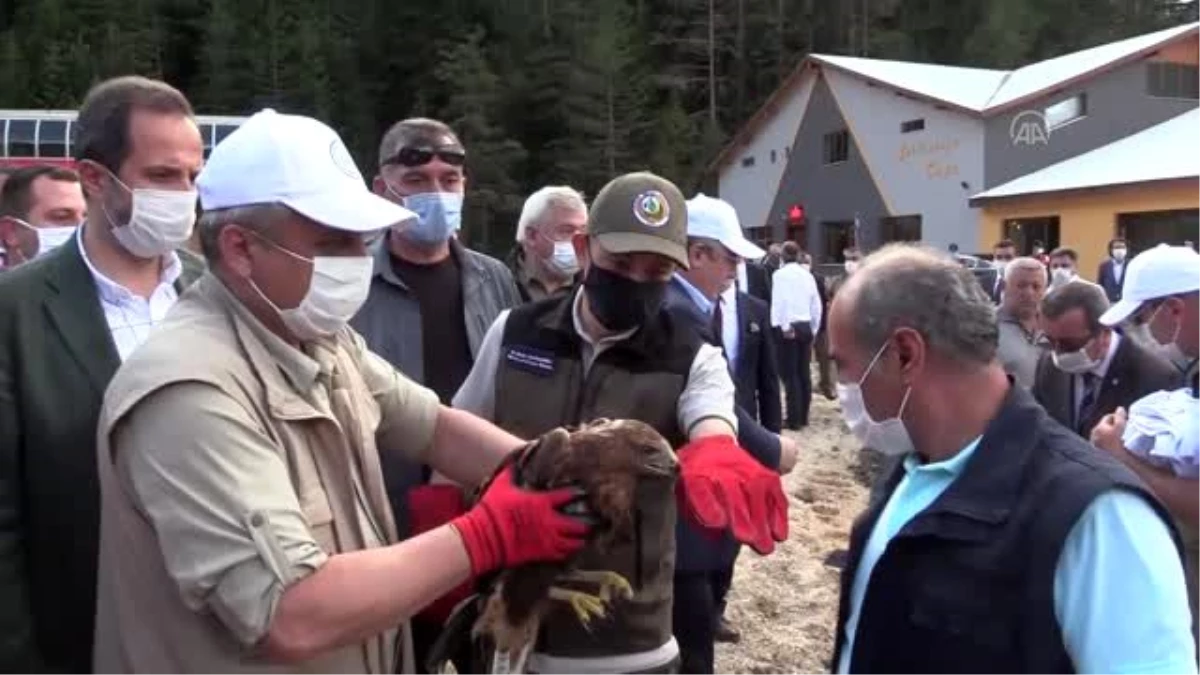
[1000, 267]
[850, 266]
[563, 260]
[1119, 254]
[1075, 363]
[1062, 275]
[337, 290]
[888, 436]
[51, 237]
[160, 221]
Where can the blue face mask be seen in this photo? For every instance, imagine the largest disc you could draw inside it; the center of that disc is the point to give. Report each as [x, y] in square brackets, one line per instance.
[439, 215]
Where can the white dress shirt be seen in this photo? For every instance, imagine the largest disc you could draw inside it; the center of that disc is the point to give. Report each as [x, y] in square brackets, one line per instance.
[794, 297]
[730, 336]
[1100, 371]
[130, 316]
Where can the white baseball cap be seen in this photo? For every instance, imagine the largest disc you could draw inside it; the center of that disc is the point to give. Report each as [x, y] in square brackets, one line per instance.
[715, 219]
[298, 162]
[1157, 273]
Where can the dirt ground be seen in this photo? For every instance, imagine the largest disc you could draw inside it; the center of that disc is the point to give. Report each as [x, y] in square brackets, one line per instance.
[785, 605]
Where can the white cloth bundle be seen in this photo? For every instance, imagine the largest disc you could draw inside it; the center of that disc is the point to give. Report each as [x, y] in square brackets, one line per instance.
[1164, 429]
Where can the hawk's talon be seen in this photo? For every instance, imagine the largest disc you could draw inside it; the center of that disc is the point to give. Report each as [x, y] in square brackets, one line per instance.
[585, 605]
[611, 584]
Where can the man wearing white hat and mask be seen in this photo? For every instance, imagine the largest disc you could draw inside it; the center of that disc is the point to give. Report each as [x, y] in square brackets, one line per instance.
[1158, 436]
[244, 522]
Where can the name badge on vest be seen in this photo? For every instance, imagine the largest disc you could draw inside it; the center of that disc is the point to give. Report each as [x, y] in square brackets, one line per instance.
[531, 360]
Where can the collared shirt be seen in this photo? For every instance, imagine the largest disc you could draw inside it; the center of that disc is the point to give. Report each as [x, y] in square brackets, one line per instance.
[1118, 270]
[1099, 371]
[704, 304]
[1115, 585]
[130, 316]
[1018, 349]
[731, 337]
[794, 298]
[709, 392]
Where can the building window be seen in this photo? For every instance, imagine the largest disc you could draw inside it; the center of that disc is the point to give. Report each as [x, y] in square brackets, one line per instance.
[837, 236]
[900, 228]
[1148, 229]
[1025, 232]
[22, 137]
[837, 147]
[1173, 80]
[52, 138]
[772, 156]
[760, 235]
[912, 125]
[748, 161]
[1065, 111]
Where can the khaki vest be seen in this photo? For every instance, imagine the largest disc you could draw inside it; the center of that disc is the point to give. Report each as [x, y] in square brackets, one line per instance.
[142, 622]
[540, 385]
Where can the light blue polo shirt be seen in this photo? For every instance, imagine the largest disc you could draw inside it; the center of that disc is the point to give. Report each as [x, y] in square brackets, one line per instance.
[1119, 591]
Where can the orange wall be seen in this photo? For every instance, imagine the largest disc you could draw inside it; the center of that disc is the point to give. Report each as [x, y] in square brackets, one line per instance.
[1087, 220]
[1184, 51]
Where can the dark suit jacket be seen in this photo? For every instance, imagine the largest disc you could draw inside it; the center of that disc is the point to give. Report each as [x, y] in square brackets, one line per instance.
[757, 373]
[758, 281]
[1133, 373]
[759, 442]
[56, 359]
[1107, 278]
[696, 550]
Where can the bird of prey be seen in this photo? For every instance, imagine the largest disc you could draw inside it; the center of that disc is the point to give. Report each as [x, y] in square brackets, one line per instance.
[607, 460]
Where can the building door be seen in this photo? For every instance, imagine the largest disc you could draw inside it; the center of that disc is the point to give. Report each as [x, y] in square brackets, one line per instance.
[1025, 232]
[1150, 228]
[837, 236]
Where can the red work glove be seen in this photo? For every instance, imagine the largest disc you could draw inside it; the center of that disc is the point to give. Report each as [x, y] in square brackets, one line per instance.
[722, 487]
[430, 506]
[510, 526]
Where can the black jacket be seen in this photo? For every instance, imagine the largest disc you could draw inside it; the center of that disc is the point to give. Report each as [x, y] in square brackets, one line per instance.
[757, 373]
[967, 585]
[56, 359]
[1107, 278]
[1133, 373]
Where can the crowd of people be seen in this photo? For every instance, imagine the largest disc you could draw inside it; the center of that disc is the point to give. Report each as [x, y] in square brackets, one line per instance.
[246, 405]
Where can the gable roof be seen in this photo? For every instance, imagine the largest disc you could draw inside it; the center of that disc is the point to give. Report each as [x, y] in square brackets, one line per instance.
[974, 91]
[966, 88]
[1035, 78]
[1150, 155]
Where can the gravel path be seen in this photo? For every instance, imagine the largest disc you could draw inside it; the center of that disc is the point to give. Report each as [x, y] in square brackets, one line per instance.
[785, 604]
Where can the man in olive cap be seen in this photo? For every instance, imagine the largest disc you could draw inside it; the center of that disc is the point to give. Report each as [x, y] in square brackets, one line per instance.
[609, 350]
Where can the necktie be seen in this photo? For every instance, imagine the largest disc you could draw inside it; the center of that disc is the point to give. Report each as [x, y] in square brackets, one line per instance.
[1087, 400]
[718, 325]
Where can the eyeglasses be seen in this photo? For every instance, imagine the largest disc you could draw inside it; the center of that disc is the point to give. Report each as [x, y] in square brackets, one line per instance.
[411, 157]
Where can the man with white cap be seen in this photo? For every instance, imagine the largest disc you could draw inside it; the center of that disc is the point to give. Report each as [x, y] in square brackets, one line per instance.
[706, 292]
[244, 522]
[1163, 284]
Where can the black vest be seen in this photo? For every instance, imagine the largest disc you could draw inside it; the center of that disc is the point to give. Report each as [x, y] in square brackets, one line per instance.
[968, 584]
[540, 385]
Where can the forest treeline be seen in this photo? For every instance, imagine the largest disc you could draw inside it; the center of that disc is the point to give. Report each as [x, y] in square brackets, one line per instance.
[542, 91]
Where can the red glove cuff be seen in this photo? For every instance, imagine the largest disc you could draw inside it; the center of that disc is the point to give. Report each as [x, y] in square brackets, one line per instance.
[431, 506]
[719, 443]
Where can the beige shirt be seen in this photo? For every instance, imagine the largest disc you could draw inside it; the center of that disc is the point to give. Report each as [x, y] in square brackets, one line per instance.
[232, 466]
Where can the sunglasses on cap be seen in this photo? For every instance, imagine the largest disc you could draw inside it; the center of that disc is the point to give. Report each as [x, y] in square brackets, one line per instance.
[411, 157]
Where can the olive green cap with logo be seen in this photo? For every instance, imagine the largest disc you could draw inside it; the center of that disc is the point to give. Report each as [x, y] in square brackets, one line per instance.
[640, 213]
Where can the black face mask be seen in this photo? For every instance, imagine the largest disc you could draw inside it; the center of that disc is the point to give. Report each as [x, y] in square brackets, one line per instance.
[620, 303]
